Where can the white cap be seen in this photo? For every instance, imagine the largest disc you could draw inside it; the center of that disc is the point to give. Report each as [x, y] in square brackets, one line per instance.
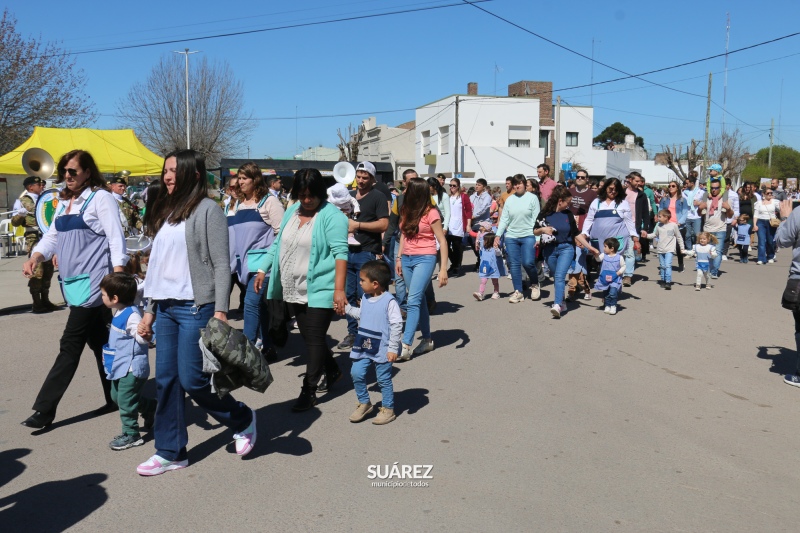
[367, 166]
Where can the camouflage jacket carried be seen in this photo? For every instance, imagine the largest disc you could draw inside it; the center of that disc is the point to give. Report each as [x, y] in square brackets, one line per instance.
[29, 220]
[240, 362]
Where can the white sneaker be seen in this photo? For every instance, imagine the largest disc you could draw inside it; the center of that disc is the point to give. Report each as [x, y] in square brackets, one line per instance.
[771, 261]
[516, 298]
[724, 257]
[587, 296]
[556, 311]
[759, 262]
[536, 293]
[607, 310]
[478, 296]
[563, 308]
[246, 440]
[425, 346]
[496, 296]
[405, 353]
[612, 310]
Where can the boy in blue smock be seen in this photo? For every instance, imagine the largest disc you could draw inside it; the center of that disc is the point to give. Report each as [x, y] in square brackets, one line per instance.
[380, 328]
[125, 359]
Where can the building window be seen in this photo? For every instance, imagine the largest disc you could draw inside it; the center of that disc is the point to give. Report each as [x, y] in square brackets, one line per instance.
[544, 141]
[444, 140]
[519, 136]
[426, 143]
[572, 138]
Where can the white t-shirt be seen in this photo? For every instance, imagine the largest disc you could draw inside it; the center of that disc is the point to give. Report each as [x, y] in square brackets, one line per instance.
[456, 224]
[168, 276]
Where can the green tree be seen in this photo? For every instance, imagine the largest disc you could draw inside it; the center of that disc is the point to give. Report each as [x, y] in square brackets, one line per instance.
[39, 86]
[617, 132]
[785, 164]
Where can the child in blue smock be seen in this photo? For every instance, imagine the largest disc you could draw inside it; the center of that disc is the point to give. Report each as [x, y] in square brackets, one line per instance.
[125, 359]
[490, 264]
[611, 270]
[377, 341]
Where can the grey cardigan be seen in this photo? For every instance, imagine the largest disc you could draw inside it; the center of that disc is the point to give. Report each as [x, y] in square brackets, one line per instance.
[209, 257]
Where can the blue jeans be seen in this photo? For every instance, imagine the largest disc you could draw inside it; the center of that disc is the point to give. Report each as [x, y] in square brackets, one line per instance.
[611, 296]
[766, 241]
[383, 371]
[417, 271]
[179, 370]
[559, 258]
[355, 260]
[256, 322]
[522, 254]
[717, 261]
[665, 266]
[693, 229]
[400, 291]
[630, 258]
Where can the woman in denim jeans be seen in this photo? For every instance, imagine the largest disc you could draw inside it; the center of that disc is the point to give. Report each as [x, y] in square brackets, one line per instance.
[519, 216]
[764, 211]
[190, 236]
[420, 229]
[559, 232]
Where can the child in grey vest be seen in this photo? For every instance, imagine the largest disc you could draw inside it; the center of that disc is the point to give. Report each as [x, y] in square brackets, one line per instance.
[377, 341]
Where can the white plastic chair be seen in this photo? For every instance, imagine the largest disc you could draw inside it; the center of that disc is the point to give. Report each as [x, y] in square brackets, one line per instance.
[19, 239]
[7, 234]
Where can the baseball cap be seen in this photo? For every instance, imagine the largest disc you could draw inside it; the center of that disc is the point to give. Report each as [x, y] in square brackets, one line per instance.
[31, 180]
[367, 167]
[118, 179]
[715, 166]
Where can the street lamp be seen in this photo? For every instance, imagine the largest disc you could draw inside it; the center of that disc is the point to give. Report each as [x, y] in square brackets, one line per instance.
[186, 53]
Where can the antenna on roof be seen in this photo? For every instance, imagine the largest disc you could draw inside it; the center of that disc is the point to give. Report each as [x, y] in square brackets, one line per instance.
[496, 70]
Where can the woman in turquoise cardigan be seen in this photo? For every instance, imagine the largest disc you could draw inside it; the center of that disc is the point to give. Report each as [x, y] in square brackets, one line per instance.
[307, 264]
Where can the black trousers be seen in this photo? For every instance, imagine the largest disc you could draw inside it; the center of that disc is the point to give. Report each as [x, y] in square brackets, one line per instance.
[313, 323]
[455, 250]
[85, 325]
[678, 248]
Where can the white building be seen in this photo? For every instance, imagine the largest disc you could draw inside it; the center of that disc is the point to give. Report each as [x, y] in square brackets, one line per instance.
[320, 153]
[384, 144]
[487, 137]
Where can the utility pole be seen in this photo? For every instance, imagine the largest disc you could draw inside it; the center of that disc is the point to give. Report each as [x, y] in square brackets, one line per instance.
[556, 155]
[455, 152]
[769, 159]
[708, 119]
[186, 53]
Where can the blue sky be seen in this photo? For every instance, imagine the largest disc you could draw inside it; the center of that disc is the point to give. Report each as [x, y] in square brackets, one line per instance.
[404, 61]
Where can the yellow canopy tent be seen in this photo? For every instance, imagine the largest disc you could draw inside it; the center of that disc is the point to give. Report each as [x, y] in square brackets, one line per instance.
[113, 150]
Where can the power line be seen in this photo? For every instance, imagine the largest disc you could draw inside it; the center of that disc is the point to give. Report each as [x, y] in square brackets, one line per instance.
[262, 30]
[629, 76]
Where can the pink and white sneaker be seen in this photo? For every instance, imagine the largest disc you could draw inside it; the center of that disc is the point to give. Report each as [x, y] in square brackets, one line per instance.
[158, 465]
[246, 439]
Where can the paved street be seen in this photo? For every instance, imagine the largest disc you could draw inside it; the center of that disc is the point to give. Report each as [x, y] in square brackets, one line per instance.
[670, 416]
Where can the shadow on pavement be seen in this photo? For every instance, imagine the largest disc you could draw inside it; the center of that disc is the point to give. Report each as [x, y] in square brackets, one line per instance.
[783, 362]
[446, 337]
[54, 505]
[73, 420]
[282, 428]
[443, 308]
[410, 401]
[10, 465]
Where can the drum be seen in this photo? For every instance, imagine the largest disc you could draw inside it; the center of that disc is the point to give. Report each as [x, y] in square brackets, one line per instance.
[46, 207]
[138, 243]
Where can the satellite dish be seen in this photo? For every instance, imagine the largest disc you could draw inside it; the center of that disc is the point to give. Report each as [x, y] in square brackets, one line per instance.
[344, 172]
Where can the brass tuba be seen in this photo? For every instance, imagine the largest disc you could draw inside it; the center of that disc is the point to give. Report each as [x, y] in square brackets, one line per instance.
[37, 162]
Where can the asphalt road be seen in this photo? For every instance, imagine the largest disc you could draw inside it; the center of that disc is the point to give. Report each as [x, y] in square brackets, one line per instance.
[670, 416]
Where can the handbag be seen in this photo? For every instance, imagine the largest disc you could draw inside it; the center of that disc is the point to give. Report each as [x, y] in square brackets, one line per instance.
[791, 295]
[774, 222]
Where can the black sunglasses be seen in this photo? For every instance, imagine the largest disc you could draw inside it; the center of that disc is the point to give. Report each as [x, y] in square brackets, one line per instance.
[453, 186]
[71, 171]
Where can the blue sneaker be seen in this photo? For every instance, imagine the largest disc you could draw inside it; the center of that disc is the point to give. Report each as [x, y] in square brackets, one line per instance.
[792, 379]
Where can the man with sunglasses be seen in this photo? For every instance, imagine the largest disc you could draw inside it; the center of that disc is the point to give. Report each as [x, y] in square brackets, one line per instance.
[718, 210]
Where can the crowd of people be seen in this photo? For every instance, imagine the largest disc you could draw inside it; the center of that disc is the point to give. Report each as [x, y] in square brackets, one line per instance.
[318, 251]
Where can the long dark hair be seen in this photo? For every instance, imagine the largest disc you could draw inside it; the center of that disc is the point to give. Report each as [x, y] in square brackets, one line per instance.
[620, 192]
[537, 191]
[191, 187]
[560, 192]
[309, 179]
[260, 188]
[86, 161]
[433, 182]
[417, 202]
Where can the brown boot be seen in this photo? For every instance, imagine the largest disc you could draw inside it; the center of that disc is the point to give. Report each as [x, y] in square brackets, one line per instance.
[38, 306]
[45, 293]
